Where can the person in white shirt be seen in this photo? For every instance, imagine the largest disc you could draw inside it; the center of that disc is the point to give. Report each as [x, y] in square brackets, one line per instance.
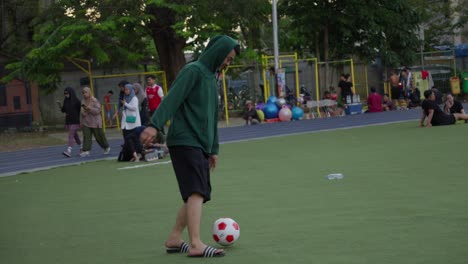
[130, 112]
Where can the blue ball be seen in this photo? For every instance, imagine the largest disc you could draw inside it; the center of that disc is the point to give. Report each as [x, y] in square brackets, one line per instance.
[270, 110]
[272, 99]
[297, 113]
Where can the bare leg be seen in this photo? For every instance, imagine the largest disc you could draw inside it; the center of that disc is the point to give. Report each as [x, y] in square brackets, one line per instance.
[175, 238]
[459, 116]
[194, 213]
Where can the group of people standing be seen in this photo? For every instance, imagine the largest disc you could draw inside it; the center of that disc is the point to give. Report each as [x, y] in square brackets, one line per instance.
[84, 114]
[136, 105]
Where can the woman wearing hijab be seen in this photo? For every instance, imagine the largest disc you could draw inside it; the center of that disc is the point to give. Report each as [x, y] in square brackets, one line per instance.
[71, 107]
[130, 113]
[91, 123]
[143, 101]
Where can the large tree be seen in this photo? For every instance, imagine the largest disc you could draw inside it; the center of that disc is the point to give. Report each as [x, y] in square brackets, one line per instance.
[122, 33]
[340, 29]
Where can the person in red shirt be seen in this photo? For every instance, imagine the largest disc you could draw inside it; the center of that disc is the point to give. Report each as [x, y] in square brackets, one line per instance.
[374, 101]
[154, 93]
[108, 107]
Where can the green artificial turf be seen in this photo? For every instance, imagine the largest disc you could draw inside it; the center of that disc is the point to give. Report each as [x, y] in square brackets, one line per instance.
[403, 199]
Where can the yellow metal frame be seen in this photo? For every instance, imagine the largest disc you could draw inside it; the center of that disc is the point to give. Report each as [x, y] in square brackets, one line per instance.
[226, 112]
[91, 77]
[265, 66]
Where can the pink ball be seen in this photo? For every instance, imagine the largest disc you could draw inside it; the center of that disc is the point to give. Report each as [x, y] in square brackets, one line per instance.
[285, 114]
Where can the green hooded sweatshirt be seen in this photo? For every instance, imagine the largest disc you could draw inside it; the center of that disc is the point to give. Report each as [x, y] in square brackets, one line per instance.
[192, 101]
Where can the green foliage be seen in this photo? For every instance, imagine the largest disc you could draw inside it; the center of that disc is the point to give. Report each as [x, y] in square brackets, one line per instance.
[118, 34]
[440, 20]
[340, 29]
[88, 30]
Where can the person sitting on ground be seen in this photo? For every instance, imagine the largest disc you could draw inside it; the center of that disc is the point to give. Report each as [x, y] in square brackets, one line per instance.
[387, 103]
[157, 150]
[414, 98]
[374, 101]
[328, 107]
[251, 116]
[453, 106]
[333, 94]
[132, 149]
[435, 116]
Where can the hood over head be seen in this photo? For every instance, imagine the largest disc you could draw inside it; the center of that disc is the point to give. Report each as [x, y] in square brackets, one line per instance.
[217, 50]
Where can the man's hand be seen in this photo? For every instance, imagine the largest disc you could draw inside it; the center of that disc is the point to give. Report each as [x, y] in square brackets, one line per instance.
[148, 136]
[213, 160]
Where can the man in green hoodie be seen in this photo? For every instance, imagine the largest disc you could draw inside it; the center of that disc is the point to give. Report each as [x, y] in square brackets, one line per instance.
[192, 107]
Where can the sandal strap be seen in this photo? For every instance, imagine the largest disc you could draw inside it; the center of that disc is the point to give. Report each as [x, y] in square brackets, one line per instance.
[209, 252]
[184, 247]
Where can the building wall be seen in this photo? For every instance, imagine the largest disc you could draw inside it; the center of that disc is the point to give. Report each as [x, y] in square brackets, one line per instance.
[18, 111]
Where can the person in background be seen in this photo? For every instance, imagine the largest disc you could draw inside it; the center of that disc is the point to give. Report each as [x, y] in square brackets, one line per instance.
[387, 103]
[154, 93]
[395, 88]
[130, 111]
[122, 92]
[132, 149]
[333, 94]
[250, 115]
[345, 86]
[435, 116]
[438, 96]
[374, 101]
[409, 85]
[71, 107]
[453, 106]
[91, 123]
[414, 98]
[121, 97]
[108, 108]
[143, 101]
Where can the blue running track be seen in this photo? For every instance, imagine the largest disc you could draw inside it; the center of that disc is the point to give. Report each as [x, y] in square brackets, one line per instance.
[15, 162]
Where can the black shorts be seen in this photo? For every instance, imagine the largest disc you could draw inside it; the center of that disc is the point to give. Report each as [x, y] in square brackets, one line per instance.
[446, 120]
[191, 167]
[396, 93]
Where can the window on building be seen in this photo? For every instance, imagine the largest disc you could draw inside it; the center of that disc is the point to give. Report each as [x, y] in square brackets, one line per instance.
[3, 100]
[17, 102]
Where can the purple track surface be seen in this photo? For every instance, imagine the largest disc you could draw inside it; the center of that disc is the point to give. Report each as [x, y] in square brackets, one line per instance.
[15, 162]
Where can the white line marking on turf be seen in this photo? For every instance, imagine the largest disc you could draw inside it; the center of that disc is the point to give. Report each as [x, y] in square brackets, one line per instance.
[144, 165]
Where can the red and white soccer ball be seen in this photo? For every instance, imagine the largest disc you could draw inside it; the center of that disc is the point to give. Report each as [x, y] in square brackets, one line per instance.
[226, 231]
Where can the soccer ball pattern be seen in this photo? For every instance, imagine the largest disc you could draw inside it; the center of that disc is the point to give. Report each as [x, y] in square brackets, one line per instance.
[226, 231]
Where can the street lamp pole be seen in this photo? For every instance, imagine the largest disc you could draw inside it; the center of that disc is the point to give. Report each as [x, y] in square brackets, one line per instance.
[275, 35]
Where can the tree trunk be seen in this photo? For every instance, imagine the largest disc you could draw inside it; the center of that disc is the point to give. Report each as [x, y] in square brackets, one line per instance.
[169, 45]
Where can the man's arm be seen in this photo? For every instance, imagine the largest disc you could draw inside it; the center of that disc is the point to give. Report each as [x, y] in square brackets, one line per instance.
[161, 93]
[429, 118]
[421, 124]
